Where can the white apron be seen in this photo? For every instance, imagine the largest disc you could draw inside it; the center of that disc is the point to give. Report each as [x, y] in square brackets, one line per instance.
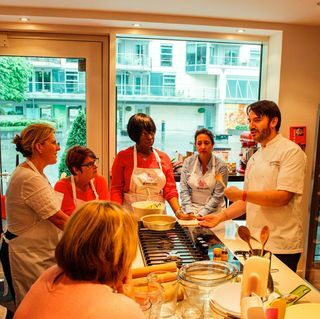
[32, 252]
[202, 186]
[79, 202]
[145, 183]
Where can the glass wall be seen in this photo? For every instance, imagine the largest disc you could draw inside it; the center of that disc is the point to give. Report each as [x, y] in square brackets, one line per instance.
[187, 85]
[53, 91]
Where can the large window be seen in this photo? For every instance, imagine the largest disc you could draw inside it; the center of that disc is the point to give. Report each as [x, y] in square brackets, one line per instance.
[196, 59]
[210, 83]
[46, 98]
[166, 55]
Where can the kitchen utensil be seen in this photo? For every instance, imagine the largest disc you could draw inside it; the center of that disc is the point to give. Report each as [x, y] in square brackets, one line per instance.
[143, 208]
[158, 222]
[255, 276]
[296, 294]
[264, 236]
[244, 234]
[144, 271]
[220, 179]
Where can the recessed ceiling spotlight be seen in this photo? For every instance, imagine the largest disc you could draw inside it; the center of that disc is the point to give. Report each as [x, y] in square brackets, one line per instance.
[24, 19]
[240, 31]
[136, 25]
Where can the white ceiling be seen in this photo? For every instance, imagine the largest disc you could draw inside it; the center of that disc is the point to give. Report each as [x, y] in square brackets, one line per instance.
[303, 12]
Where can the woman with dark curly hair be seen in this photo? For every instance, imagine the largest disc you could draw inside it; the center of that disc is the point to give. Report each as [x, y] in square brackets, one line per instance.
[34, 217]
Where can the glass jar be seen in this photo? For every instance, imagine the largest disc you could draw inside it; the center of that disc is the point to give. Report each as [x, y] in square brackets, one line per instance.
[198, 280]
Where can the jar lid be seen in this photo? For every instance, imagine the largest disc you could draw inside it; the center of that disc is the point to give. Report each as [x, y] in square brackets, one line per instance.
[207, 273]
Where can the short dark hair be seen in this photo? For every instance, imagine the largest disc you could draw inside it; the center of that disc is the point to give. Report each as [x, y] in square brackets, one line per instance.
[204, 131]
[266, 108]
[139, 122]
[76, 156]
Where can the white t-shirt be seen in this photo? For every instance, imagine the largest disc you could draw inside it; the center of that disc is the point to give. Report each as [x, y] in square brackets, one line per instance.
[280, 165]
[29, 199]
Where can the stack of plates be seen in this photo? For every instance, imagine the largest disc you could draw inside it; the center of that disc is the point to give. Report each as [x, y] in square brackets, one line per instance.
[226, 300]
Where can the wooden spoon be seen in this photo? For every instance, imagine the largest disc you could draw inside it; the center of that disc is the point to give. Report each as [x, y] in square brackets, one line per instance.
[220, 179]
[264, 236]
[244, 234]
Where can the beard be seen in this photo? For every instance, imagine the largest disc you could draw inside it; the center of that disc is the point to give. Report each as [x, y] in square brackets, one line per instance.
[262, 135]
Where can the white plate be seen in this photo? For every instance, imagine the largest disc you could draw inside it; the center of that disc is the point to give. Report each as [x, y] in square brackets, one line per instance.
[190, 223]
[303, 310]
[227, 298]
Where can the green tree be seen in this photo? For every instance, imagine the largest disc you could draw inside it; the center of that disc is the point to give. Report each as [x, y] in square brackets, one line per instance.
[14, 76]
[77, 136]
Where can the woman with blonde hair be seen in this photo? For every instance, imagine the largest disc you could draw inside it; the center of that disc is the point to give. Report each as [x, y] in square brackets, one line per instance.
[34, 218]
[94, 261]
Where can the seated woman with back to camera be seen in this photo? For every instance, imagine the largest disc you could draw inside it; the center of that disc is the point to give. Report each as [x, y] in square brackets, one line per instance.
[93, 264]
[84, 184]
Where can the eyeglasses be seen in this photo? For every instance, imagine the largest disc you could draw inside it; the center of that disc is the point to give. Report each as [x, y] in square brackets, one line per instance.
[92, 163]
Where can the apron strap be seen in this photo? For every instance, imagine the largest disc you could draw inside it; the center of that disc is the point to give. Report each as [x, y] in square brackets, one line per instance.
[195, 165]
[94, 189]
[74, 191]
[157, 157]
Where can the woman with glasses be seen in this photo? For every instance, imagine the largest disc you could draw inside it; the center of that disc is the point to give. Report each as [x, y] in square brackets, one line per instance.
[84, 184]
[141, 172]
[34, 217]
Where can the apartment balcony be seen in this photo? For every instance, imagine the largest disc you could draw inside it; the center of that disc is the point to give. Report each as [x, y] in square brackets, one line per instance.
[128, 61]
[56, 90]
[224, 62]
[167, 94]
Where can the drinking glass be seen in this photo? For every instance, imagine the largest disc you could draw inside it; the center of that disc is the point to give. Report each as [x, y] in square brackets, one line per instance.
[169, 288]
[149, 296]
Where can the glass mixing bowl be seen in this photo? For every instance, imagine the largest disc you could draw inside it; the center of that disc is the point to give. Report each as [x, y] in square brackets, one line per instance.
[198, 280]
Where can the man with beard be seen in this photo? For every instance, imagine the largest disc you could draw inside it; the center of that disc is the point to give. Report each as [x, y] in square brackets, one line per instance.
[273, 187]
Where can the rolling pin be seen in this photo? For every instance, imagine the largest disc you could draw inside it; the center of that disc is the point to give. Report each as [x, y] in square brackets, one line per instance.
[166, 277]
[144, 271]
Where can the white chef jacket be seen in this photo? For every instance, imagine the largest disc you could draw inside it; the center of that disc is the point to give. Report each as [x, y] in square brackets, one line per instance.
[280, 165]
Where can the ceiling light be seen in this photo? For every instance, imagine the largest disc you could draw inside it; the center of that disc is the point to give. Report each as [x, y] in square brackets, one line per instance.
[241, 31]
[136, 25]
[24, 19]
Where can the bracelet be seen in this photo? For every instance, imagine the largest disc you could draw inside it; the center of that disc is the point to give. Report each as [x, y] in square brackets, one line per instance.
[225, 214]
[179, 211]
[244, 195]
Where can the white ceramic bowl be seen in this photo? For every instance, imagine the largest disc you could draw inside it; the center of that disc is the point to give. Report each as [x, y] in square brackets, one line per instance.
[149, 207]
[158, 222]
